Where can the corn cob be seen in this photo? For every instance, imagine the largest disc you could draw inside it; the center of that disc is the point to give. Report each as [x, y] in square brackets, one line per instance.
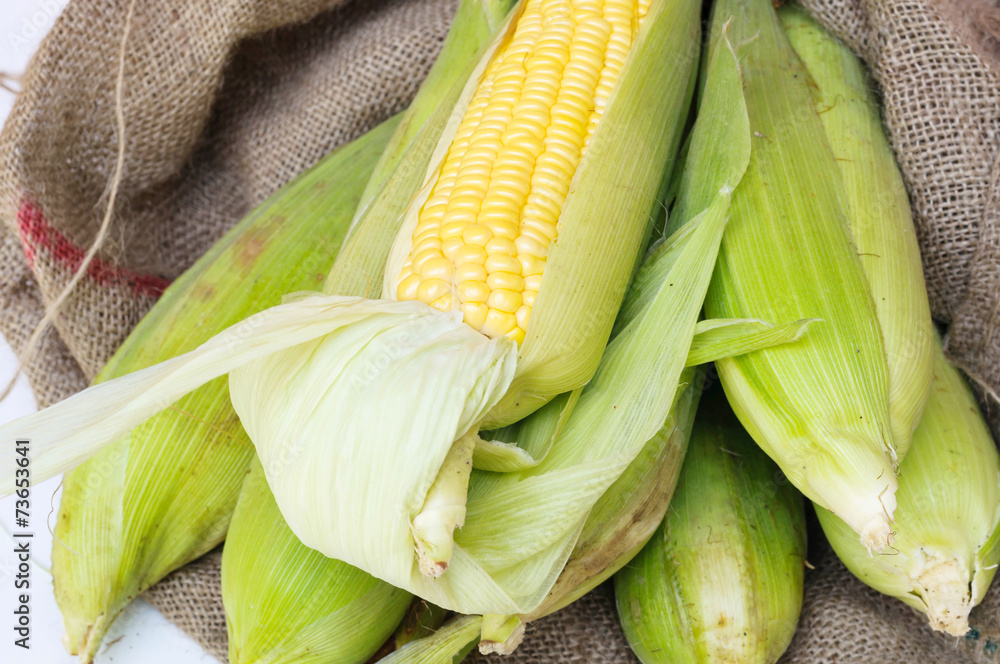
[163, 495]
[948, 512]
[721, 580]
[821, 409]
[878, 211]
[307, 609]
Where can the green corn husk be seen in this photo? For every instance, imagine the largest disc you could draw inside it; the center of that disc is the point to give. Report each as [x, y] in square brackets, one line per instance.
[878, 212]
[308, 608]
[821, 408]
[163, 495]
[947, 544]
[721, 581]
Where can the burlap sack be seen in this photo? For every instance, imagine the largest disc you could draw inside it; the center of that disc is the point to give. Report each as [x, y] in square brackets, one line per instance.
[225, 101]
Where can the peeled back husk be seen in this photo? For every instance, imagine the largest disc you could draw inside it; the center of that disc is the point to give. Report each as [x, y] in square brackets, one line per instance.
[163, 494]
[721, 581]
[948, 512]
[819, 408]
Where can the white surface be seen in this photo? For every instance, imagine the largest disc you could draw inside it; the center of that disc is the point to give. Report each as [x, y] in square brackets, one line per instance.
[142, 634]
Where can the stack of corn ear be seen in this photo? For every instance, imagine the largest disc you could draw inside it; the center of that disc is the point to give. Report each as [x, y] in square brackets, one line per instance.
[502, 229]
[946, 551]
[365, 413]
[816, 232]
[721, 580]
[162, 494]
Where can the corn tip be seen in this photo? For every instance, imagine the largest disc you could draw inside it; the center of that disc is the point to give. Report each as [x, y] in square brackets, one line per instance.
[431, 568]
[945, 591]
[505, 647]
[877, 533]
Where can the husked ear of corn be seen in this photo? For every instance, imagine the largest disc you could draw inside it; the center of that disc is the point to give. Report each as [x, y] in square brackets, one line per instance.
[162, 495]
[878, 212]
[721, 580]
[948, 512]
[309, 608]
[827, 409]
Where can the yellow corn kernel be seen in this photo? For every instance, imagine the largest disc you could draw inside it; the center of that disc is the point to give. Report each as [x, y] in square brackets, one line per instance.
[473, 291]
[502, 263]
[469, 271]
[498, 323]
[505, 281]
[432, 289]
[474, 314]
[505, 301]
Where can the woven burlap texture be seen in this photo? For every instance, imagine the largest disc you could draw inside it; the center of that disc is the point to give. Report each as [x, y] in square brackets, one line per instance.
[225, 101]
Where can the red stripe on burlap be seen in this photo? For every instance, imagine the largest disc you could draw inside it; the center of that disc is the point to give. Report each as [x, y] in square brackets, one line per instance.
[37, 233]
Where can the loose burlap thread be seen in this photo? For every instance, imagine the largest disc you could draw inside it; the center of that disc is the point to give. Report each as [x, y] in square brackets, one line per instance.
[226, 101]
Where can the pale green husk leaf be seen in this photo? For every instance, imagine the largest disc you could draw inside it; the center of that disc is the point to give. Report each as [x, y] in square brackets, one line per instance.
[448, 645]
[717, 338]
